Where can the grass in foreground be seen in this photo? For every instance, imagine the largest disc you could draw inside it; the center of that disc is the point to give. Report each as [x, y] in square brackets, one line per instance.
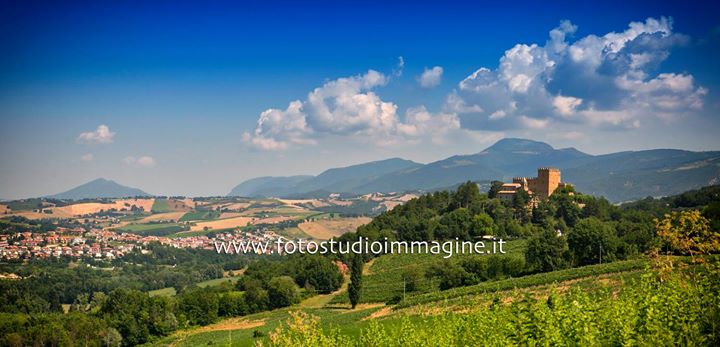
[491, 314]
[669, 309]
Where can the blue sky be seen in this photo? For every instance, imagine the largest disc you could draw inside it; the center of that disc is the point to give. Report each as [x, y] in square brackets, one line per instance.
[181, 86]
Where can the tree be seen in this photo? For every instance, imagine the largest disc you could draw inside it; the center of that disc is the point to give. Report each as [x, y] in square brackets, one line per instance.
[126, 311]
[712, 213]
[543, 214]
[596, 207]
[483, 225]
[451, 275]
[81, 303]
[495, 187]
[546, 251]
[465, 195]
[319, 272]
[412, 275]
[282, 292]
[455, 224]
[256, 296]
[111, 338]
[688, 232]
[567, 209]
[592, 241]
[520, 202]
[232, 304]
[199, 306]
[355, 287]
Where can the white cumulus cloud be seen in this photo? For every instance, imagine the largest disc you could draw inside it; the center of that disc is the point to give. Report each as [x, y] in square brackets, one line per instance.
[566, 105]
[346, 106]
[609, 81]
[430, 77]
[101, 135]
[87, 157]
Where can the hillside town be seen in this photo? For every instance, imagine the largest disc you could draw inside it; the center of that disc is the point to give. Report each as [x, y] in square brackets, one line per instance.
[105, 244]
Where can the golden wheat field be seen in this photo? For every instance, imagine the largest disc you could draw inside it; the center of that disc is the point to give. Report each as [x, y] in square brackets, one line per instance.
[324, 229]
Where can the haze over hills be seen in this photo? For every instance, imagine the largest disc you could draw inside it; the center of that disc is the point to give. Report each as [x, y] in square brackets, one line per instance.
[343, 179]
[99, 188]
[617, 176]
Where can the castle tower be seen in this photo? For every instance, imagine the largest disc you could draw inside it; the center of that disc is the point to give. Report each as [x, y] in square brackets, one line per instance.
[548, 179]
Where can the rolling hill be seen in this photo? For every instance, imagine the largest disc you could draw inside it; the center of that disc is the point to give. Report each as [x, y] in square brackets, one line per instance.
[618, 176]
[344, 179]
[267, 186]
[99, 188]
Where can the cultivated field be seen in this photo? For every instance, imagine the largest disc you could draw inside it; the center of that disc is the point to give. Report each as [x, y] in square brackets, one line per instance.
[167, 216]
[95, 207]
[228, 223]
[324, 229]
[168, 205]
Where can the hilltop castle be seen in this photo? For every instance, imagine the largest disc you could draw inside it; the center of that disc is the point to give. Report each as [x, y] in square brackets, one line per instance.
[540, 187]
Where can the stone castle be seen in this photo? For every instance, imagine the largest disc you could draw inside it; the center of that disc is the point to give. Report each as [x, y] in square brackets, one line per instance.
[540, 187]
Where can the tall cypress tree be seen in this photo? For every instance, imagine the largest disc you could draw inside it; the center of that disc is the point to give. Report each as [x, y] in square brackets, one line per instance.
[355, 287]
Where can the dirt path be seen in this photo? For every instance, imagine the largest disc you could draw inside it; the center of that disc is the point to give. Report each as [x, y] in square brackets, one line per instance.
[319, 301]
[237, 323]
[379, 313]
[368, 265]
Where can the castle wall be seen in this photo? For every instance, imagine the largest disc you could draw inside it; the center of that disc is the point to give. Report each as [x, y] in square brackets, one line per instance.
[542, 186]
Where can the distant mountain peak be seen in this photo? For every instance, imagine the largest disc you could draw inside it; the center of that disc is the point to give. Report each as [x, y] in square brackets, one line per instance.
[99, 188]
[516, 145]
[101, 180]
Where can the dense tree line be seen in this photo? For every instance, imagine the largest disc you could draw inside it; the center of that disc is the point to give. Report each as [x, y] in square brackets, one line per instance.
[116, 303]
[49, 283]
[568, 229]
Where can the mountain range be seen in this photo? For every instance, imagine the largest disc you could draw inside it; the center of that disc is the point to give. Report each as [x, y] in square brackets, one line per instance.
[99, 188]
[618, 176]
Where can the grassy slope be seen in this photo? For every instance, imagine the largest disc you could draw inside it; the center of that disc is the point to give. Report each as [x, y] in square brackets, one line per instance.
[527, 281]
[384, 280]
[161, 205]
[199, 215]
[170, 291]
[239, 331]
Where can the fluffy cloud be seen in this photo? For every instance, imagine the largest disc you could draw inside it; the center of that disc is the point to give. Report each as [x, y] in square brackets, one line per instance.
[419, 122]
[101, 135]
[276, 129]
[606, 81]
[430, 77]
[345, 106]
[566, 105]
[143, 161]
[87, 157]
